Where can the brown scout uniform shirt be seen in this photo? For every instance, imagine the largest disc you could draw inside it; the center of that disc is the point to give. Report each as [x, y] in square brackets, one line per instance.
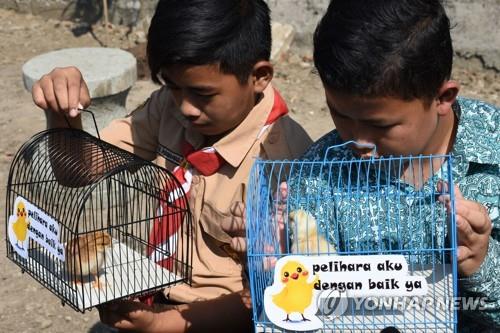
[160, 123]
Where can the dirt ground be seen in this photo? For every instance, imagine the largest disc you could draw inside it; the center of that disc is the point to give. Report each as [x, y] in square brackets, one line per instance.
[24, 305]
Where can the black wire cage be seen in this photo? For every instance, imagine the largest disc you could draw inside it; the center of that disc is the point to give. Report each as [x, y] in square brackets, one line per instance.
[94, 223]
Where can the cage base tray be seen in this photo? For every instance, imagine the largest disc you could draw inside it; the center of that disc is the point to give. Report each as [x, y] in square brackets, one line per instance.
[122, 275]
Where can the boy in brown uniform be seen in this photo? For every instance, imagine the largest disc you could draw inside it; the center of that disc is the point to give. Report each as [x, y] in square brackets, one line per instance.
[212, 59]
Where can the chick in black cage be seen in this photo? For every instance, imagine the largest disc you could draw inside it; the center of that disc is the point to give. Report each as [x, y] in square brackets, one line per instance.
[86, 216]
[215, 111]
[85, 255]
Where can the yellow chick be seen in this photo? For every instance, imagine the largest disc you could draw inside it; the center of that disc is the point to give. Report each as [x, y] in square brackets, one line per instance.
[85, 255]
[297, 294]
[307, 237]
[20, 227]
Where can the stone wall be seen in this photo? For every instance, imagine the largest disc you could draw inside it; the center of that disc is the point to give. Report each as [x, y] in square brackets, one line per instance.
[476, 31]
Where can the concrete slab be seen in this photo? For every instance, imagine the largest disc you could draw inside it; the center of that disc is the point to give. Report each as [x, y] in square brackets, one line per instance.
[107, 71]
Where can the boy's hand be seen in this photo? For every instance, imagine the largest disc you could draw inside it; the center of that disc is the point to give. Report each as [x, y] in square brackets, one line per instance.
[281, 198]
[62, 90]
[278, 215]
[236, 228]
[474, 228]
[128, 315]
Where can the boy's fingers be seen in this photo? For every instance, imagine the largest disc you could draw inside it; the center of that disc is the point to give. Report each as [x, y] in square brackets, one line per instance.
[61, 93]
[38, 98]
[269, 249]
[124, 307]
[269, 263]
[47, 87]
[465, 232]
[239, 244]
[278, 214]
[125, 314]
[61, 90]
[475, 214]
[124, 324]
[237, 208]
[84, 95]
[283, 191]
[281, 222]
[235, 226]
[74, 91]
[443, 187]
[439, 186]
[78, 92]
[463, 254]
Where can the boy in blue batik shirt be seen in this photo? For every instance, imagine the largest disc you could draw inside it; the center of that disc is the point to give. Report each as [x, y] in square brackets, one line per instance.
[385, 66]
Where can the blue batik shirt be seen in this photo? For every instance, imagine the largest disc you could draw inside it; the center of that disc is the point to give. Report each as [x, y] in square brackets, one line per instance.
[409, 215]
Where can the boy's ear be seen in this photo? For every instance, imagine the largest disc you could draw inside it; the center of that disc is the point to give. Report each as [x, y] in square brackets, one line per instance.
[262, 74]
[447, 95]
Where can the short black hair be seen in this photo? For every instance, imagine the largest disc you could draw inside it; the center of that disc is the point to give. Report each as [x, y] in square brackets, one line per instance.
[382, 48]
[235, 34]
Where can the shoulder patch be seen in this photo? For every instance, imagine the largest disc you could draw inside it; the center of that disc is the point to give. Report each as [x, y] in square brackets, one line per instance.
[169, 155]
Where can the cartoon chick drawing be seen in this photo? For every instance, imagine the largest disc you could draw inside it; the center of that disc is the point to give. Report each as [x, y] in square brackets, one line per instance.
[20, 227]
[297, 294]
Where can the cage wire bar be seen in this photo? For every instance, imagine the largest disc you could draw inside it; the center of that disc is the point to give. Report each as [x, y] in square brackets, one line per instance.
[359, 207]
[104, 201]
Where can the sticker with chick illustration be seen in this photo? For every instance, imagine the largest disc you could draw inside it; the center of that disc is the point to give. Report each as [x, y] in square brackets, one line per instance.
[18, 228]
[290, 302]
[30, 222]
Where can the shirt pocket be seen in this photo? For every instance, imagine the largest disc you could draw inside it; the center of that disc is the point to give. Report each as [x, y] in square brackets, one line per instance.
[218, 256]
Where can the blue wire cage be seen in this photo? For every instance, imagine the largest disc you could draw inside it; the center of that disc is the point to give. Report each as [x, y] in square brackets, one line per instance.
[356, 207]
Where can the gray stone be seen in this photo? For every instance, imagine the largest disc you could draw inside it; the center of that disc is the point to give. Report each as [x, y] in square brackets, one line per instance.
[125, 12]
[303, 15]
[108, 72]
[476, 30]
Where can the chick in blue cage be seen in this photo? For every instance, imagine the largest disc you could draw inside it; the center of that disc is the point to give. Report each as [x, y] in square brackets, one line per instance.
[386, 69]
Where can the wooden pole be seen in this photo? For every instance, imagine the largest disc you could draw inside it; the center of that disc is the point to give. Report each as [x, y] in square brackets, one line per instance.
[106, 20]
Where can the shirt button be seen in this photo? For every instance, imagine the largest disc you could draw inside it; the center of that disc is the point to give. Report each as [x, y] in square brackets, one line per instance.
[195, 180]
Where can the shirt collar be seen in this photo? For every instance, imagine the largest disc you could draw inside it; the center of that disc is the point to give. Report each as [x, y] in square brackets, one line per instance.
[477, 137]
[235, 146]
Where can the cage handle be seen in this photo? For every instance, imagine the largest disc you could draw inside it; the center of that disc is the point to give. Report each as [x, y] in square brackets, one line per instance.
[358, 144]
[93, 118]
